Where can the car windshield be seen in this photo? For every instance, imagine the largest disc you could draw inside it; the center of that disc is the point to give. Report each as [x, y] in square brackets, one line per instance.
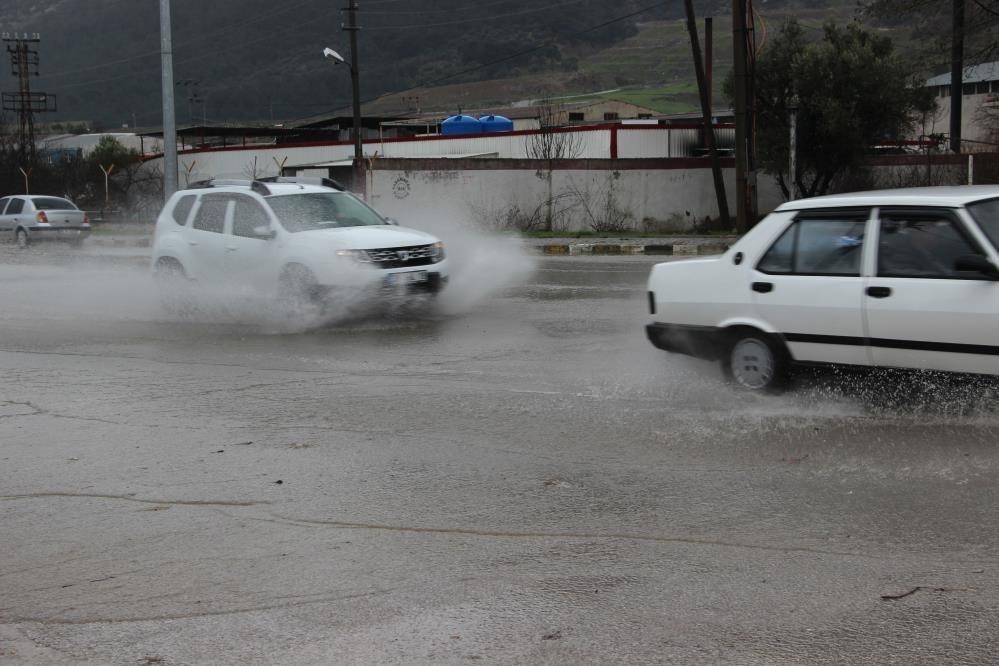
[986, 214]
[52, 203]
[322, 210]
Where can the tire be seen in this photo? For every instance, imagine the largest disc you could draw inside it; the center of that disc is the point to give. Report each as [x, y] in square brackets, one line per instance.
[175, 291]
[21, 238]
[299, 289]
[756, 361]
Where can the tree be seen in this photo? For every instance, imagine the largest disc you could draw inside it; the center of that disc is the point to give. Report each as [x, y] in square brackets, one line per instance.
[550, 143]
[851, 92]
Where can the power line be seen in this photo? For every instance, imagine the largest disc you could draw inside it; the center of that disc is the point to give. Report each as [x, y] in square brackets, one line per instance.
[203, 36]
[491, 17]
[545, 44]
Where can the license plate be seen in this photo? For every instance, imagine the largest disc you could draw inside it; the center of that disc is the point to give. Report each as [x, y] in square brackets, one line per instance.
[409, 277]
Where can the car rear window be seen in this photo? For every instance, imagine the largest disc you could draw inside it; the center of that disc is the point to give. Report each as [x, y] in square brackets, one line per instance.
[182, 209]
[53, 203]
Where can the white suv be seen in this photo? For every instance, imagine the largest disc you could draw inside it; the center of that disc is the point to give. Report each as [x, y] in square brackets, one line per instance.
[903, 278]
[296, 238]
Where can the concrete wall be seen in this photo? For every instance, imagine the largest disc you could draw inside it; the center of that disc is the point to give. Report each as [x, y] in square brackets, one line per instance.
[978, 118]
[659, 196]
[650, 189]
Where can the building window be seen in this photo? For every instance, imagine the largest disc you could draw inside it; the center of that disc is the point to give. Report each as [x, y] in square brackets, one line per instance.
[575, 116]
[995, 86]
[610, 116]
[982, 87]
[968, 89]
[643, 116]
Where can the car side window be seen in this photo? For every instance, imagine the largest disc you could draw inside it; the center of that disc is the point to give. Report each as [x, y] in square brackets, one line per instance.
[924, 246]
[817, 246]
[211, 213]
[182, 209]
[15, 206]
[247, 217]
[3, 204]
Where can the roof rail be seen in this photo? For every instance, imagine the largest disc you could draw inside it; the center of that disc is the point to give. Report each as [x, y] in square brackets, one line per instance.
[305, 180]
[218, 182]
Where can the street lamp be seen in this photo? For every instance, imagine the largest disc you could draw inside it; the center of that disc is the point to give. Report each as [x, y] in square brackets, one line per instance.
[338, 59]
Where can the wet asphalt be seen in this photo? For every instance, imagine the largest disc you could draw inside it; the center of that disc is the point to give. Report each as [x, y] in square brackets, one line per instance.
[510, 475]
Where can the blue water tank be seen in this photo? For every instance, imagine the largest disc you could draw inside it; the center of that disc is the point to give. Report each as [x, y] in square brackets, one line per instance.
[496, 124]
[461, 125]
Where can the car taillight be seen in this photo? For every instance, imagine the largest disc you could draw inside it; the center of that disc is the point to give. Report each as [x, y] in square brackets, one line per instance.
[40, 216]
[86, 219]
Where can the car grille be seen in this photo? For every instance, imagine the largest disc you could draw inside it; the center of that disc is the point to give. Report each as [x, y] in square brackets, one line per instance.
[400, 257]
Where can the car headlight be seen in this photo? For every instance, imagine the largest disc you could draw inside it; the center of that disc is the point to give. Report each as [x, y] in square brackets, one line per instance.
[360, 256]
[437, 251]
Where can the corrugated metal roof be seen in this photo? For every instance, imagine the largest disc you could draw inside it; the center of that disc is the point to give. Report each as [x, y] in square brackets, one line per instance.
[988, 71]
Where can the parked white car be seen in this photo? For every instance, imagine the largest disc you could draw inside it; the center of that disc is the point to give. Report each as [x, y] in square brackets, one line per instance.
[28, 218]
[902, 278]
[294, 238]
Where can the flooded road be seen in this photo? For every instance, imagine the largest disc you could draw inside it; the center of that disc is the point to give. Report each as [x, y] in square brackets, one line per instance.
[512, 475]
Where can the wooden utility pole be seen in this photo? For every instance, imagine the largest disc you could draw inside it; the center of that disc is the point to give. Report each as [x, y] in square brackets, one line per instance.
[709, 130]
[741, 116]
[956, 74]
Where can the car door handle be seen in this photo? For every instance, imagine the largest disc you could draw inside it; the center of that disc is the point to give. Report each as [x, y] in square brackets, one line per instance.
[230, 248]
[763, 287]
[192, 242]
[879, 292]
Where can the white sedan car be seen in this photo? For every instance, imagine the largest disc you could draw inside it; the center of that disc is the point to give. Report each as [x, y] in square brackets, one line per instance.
[29, 218]
[298, 239]
[904, 278]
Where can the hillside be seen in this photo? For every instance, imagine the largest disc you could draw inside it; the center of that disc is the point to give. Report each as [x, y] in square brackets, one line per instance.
[257, 60]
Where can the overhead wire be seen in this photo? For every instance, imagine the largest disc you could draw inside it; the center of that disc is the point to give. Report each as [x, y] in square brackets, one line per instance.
[423, 84]
[181, 44]
[469, 70]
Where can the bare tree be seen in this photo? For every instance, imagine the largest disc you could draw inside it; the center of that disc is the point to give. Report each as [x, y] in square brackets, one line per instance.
[551, 142]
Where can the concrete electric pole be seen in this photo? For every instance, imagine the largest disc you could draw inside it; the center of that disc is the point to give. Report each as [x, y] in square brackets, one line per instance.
[169, 121]
[360, 184]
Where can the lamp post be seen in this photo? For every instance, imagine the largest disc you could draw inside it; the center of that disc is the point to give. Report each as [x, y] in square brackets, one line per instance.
[352, 28]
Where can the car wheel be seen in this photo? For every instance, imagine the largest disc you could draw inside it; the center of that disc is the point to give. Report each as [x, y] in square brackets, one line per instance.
[175, 291]
[754, 360]
[299, 288]
[21, 238]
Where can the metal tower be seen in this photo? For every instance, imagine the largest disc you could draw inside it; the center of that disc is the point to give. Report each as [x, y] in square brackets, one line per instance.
[24, 64]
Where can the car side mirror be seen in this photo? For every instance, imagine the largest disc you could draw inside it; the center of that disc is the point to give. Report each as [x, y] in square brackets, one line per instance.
[264, 232]
[977, 263]
[392, 220]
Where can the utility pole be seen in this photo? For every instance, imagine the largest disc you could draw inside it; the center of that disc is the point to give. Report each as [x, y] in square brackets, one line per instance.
[956, 74]
[24, 65]
[351, 27]
[744, 175]
[709, 130]
[169, 121]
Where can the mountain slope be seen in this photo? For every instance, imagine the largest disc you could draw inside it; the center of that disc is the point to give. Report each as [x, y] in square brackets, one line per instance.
[257, 60]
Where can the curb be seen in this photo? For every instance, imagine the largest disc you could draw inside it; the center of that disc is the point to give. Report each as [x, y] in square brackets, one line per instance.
[687, 249]
[119, 242]
[674, 249]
